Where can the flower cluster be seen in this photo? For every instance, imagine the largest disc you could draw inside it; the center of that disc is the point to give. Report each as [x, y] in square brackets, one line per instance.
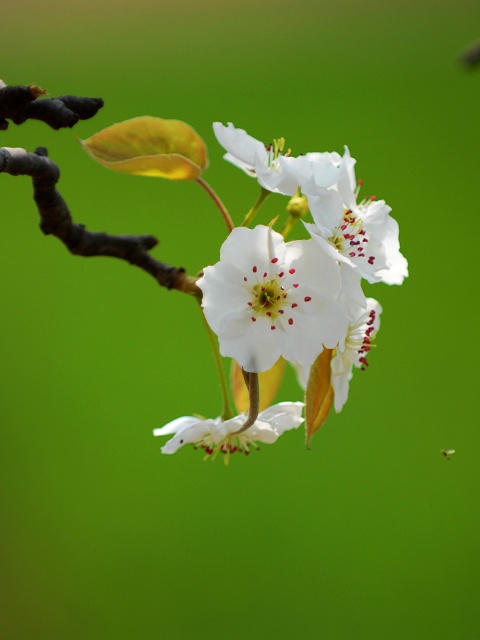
[269, 298]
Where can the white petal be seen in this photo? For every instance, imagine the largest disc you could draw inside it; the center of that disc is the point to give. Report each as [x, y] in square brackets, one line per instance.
[239, 144]
[340, 386]
[247, 248]
[176, 425]
[283, 416]
[326, 206]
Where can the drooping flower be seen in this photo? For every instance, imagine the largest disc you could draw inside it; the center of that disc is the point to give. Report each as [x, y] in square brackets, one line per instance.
[352, 352]
[363, 235]
[268, 164]
[215, 435]
[267, 298]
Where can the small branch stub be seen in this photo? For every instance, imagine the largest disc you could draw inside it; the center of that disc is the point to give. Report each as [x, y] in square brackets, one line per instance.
[21, 103]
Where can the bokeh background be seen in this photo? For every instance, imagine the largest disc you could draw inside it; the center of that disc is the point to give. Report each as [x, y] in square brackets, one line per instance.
[372, 534]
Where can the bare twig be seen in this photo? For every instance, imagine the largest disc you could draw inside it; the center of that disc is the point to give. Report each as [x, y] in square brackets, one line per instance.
[56, 220]
[20, 103]
[471, 55]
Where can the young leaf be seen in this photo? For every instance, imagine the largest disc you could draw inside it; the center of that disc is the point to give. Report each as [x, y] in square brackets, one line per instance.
[148, 146]
[319, 394]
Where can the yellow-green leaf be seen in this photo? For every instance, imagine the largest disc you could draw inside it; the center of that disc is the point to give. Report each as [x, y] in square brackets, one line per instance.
[148, 146]
[269, 382]
[319, 394]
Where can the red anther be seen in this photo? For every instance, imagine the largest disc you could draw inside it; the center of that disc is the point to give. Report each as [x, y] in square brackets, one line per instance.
[281, 311]
[254, 269]
[254, 319]
[343, 227]
[348, 211]
[274, 260]
[373, 197]
[246, 452]
[291, 271]
[278, 297]
[269, 313]
[371, 321]
[362, 232]
[363, 361]
[365, 240]
[281, 274]
[245, 278]
[360, 182]
[249, 304]
[295, 286]
[273, 327]
[371, 260]
[290, 321]
[352, 254]
[265, 274]
[307, 298]
[294, 305]
[369, 331]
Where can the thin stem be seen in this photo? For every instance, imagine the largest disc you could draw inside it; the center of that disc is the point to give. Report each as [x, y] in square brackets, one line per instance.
[288, 226]
[218, 202]
[251, 380]
[227, 411]
[249, 217]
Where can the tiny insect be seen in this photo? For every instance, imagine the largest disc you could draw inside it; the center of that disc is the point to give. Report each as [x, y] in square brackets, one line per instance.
[447, 453]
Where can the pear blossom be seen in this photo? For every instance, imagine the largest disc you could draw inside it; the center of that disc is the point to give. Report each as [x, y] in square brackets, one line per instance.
[217, 435]
[362, 235]
[351, 352]
[268, 164]
[326, 170]
[266, 298]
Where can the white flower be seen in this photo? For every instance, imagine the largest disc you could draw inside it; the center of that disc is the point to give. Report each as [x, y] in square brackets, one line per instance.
[217, 435]
[324, 170]
[357, 345]
[363, 235]
[272, 169]
[352, 352]
[267, 298]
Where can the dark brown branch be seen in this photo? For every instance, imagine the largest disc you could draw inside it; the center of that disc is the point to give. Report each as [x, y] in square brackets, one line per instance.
[56, 220]
[20, 103]
[471, 56]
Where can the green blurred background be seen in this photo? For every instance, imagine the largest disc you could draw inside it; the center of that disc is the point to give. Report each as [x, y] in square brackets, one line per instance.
[372, 534]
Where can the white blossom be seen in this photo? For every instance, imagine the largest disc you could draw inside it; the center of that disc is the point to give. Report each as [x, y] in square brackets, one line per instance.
[215, 435]
[266, 298]
[272, 168]
[351, 352]
[362, 235]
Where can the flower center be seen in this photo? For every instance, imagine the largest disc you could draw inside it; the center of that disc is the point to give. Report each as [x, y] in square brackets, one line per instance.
[239, 443]
[275, 298]
[268, 298]
[274, 151]
[360, 338]
[350, 238]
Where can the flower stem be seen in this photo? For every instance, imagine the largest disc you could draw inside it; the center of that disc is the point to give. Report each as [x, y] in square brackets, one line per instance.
[218, 202]
[249, 217]
[251, 380]
[227, 411]
[288, 226]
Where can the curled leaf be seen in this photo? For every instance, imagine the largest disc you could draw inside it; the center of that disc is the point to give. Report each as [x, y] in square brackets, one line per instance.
[319, 394]
[269, 382]
[148, 146]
